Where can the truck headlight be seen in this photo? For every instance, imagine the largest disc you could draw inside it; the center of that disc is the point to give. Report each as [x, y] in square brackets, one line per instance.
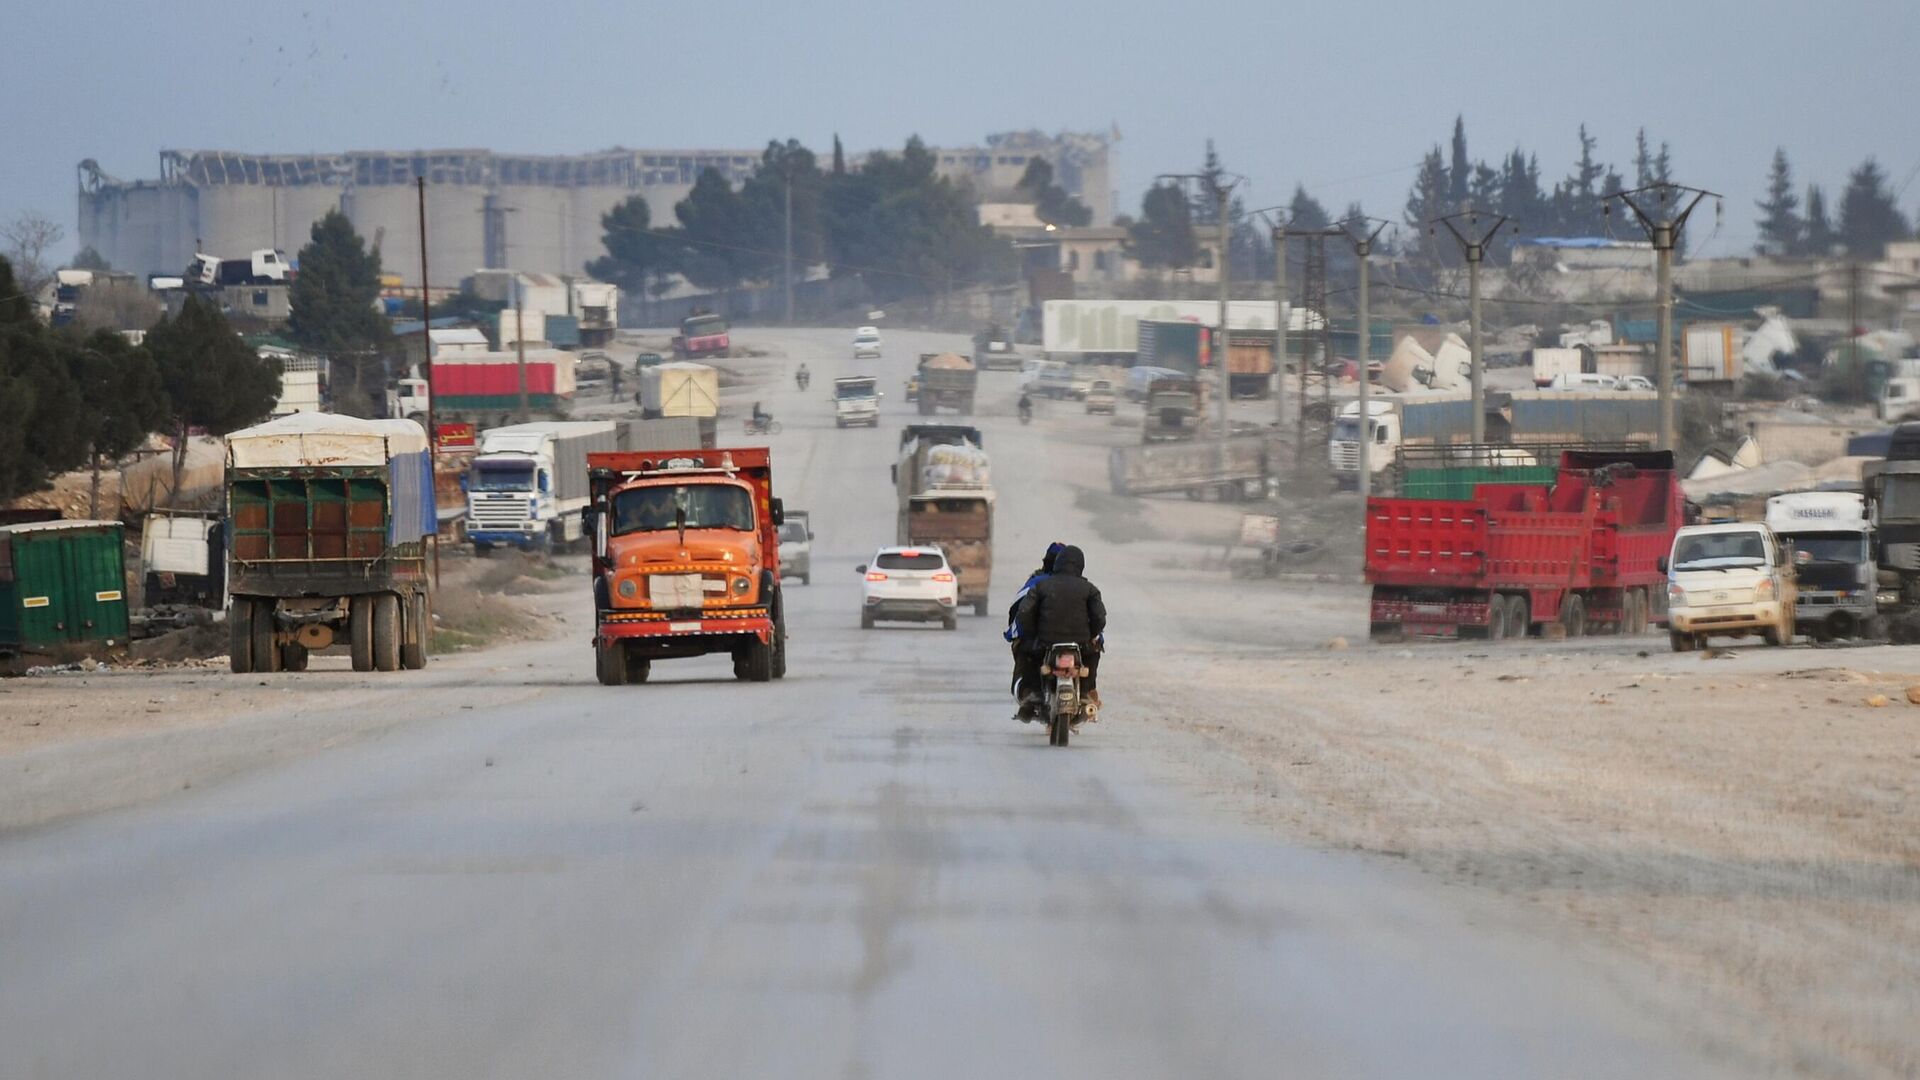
[628, 589]
[1676, 596]
[740, 585]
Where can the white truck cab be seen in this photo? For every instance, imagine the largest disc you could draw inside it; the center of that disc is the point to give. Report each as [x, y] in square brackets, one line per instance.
[856, 400]
[1734, 578]
[1834, 574]
[1383, 434]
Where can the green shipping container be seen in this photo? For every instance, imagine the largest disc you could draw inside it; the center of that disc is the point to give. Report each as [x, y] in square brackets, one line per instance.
[61, 583]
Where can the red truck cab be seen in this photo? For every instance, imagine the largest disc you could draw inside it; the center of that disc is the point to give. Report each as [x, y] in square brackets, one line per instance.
[686, 561]
[702, 335]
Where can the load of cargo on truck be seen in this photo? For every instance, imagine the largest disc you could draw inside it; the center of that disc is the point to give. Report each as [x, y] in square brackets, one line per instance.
[1199, 468]
[329, 519]
[491, 382]
[183, 558]
[686, 561]
[1603, 419]
[946, 380]
[944, 485]
[1583, 553]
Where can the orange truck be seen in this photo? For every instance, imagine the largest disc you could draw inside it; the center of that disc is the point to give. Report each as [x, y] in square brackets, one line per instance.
[686, 561]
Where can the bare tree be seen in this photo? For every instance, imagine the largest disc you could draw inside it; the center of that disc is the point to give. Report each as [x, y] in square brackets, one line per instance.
[28, 238]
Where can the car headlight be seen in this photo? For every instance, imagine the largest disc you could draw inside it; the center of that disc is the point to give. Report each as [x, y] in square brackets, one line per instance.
[1676, 596]
[1764, 590]
[628, 589]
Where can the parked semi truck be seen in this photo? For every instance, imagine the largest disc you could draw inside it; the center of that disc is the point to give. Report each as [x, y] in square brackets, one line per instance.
[1199, 468]
[528, 483]
[946, 381]
[944, 484]
[329, 519]
[1520, 418]
[1584, 552]
[686, 561]
[1833, 562]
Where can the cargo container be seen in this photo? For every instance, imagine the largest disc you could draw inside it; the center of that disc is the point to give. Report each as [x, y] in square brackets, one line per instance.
[597, 304]
[1250, 363]
[563, 331]
[62, 587]
[490, 382]
[679, 389]
[1712, 353]
[944, 485]
[183, 559]
[1584, 552]
[1198, 468]
[1110, 329]
[329, 519]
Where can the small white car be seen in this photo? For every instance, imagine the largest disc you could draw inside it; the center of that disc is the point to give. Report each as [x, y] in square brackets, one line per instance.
[905, 583]
[866, 342]
[1583, 381]
[796, 551]
[1635, 382]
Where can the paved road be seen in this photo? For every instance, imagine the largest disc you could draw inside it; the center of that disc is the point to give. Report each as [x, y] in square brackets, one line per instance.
[864, 871]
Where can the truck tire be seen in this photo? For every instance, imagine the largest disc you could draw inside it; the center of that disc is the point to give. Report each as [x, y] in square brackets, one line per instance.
[293, 656]
[950, 623]
[1497, 618]
[1777, 637]
[610, 663]
[1519, 623]
[240, 635]
[386, 632]
[980, 608]
[266, 655]
[1573, 615]
[866, 620]
[418, 628]
[754, 662]
[482, 551]
[1682, 642]
[360, 632]
[925, 405]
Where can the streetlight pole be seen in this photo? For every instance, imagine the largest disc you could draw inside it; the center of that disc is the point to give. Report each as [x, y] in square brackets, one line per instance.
[1362, 241]
[1658, 209]
[1221, 188]
[1473, 244]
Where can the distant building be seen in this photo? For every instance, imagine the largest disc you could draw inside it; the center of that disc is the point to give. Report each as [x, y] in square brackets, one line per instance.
[1582, 253]
[484, 209]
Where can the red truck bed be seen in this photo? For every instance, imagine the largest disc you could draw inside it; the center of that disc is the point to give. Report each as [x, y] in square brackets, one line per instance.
[1583, 551]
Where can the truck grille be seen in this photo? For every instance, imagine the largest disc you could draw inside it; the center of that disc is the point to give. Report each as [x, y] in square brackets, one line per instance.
[1345, 455]
[497, 512]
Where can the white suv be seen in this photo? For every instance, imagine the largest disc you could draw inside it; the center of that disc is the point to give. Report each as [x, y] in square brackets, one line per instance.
[909, 584]
[866, 342]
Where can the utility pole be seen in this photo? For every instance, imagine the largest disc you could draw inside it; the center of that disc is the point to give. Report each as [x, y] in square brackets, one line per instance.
[426, 366]
[789, 262]
[1658, 209]
[1362, 241]
[1473, 244]
[520, 342]
[1284, 323]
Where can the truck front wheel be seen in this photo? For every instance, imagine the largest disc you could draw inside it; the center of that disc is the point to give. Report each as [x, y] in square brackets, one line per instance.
[610, 663]
[754, 662]
[360, 632]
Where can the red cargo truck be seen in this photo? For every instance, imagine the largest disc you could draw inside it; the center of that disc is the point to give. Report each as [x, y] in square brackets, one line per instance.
[1583, 553]
[702, 334]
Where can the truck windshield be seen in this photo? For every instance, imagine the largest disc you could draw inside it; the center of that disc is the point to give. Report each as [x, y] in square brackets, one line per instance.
[710, 325]
[1346, 430]
[1900, 498]
[1711, 551]
[502, 476]
[853, 390]
[709, 506]
[1832, 547]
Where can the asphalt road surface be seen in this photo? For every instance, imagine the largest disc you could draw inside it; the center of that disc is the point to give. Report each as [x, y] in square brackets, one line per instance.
[866, 870]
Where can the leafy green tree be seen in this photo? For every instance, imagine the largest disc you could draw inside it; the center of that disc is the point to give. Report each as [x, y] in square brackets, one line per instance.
[41, 431]
[712, 235]
[1819, 237]
[1780, 225]
[1869, 216]
[335, 313]
[1163, 236]
[213, 380]
[1459, 172]
[1305, 213]
[763, 201]
[1430, 199]
[126, 400]
[637, 254]
[906, 229]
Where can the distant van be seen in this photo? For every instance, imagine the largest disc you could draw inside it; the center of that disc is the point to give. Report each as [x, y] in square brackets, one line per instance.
[1581, 380]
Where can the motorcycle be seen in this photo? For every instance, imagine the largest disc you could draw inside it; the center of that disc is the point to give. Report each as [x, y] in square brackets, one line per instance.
[1063, 705]
[762, 425]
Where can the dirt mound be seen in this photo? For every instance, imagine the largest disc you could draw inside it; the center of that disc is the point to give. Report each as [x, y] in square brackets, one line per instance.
[201, 642]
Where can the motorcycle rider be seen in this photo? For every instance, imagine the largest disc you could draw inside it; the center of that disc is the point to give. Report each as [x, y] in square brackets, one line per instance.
[1026, 676]
[1026, 407]
[760, 418]
[801, 376]
[1064, 608]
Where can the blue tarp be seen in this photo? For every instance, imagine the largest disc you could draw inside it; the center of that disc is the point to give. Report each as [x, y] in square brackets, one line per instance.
[413, 513]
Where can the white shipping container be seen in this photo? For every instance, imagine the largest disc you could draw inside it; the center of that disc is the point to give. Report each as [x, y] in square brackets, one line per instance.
[1548, 363]
[299, 392]
[1070, 327]
[175, 545]
[679, 389]
[529, 323]
[1712, 353]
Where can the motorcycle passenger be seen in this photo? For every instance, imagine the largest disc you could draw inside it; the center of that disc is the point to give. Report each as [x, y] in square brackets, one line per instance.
[1065, 608]
[1026, 675]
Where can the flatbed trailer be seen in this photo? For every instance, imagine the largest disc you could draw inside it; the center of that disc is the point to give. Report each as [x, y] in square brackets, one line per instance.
[1583, 553]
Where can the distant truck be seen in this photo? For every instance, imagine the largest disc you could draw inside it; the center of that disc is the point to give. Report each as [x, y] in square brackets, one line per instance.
[1585, 552]
[263, 267]
[183, 559]
[1892, 488]
[329, 519]
[993, 350]
[944, 485]
[686, 561]
[1198, 468]
[597, 306]
[946, 380]
[1193, 349]
[1108, 331]
[1833, 562]
[482, 383]
[1603, 418]
[856, 400]
[701, 335]
[1171, 410]
[527, 485]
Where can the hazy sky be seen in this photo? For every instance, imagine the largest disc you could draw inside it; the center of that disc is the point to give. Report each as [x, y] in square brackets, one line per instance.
[1342, 96]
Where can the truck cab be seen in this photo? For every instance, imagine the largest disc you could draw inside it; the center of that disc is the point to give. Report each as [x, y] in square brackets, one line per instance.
[1383, 436]
[1833, 561]
[704, 334]
[856, 400]
[686, 561]
[1732, 578]
[1171, 409]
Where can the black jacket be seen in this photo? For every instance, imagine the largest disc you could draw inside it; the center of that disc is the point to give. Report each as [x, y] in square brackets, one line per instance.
[1064, 607]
